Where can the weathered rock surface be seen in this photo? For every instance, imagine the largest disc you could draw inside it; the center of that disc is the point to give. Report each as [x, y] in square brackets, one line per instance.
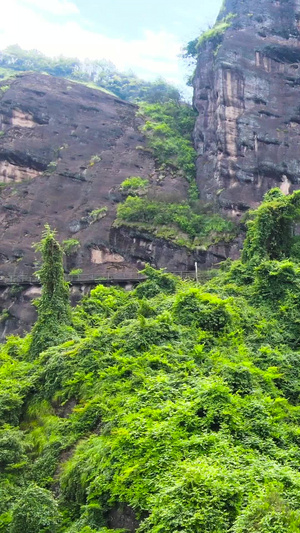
[143, 248]
[247, 92]
[64, 151]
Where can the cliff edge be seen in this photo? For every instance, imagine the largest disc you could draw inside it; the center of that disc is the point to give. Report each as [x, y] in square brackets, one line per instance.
[247, 92]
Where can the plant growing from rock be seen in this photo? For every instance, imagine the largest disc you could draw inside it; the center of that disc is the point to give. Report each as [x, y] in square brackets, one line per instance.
[75, 272]
[70, 246]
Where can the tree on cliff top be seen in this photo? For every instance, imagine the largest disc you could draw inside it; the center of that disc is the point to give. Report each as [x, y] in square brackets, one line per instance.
[54, 312]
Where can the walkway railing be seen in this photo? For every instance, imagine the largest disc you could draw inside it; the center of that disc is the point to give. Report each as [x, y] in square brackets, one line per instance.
[87, 279]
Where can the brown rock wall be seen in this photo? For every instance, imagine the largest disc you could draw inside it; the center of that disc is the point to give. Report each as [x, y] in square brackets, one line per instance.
[247, 92]
[64, 151]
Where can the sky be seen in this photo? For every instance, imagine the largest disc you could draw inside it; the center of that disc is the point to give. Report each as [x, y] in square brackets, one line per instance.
[144, 36]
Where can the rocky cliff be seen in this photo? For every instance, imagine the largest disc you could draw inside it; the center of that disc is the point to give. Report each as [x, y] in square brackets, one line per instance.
[247, 93]
[64, 151]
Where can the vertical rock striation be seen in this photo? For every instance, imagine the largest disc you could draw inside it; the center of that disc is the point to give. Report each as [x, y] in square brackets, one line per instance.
[247, 93]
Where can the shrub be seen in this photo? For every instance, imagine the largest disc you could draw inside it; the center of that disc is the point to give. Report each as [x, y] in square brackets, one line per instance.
[75, 272]
[11, 447]
[270, 228]
[274, 279]
[161, 217]
[169, 132]
[134, 183]
[217, 31]
[97, 214]
[270, 513]
[94, 159]
[147, 289]
[35, 512]
[206, 311]
[70, 246]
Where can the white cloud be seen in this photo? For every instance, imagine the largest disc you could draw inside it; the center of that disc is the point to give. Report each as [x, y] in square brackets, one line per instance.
[156, 54]
[56, 7]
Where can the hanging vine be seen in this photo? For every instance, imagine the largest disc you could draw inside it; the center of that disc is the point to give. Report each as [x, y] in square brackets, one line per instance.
[54, 312]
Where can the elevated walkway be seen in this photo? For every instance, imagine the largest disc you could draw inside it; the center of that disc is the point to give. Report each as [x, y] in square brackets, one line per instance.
[90, 279]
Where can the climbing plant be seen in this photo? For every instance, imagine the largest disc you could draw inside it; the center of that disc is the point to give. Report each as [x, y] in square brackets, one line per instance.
[270, 227]
[54, 312]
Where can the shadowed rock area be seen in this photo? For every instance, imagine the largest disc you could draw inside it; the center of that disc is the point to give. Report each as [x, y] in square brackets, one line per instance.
[247, 89]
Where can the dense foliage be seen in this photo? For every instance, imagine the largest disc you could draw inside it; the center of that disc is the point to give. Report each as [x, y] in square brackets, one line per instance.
[271, 228]
[176, 405]
[178, 222]
[169, 128]
[54, 312]
[134, 183]
[102, 74]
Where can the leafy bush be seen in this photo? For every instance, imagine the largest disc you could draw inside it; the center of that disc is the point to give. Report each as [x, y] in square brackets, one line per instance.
[11, 448]
[214, 34]
[270, 227]
[75, 272]
[97, 214]
[134, 183]
[35, 512]
[206, 311]
[169, 130]
[268, 514]
[159, 218]
[216, 31]
[70, 246]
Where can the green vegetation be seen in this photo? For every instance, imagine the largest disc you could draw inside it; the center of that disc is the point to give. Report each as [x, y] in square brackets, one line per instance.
[4, 315]
[51, 167]
[134, 183]
[7, 73]
[176, 402]
[76, 272]
[97, 214]
[270, 228]
[216, 31]
[95, 74]
[54, 314]
[176, 222]
[15, 290]
[214, 34]
[35, 511]
[70, 246]
[169, 130]
[94, 159]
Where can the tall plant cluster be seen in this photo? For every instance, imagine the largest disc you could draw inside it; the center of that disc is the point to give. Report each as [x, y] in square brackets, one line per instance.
[271, 228]
[54, 311]
[174, 407]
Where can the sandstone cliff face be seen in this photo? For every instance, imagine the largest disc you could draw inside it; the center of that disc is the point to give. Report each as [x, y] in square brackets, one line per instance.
[247, 93]
[64, 151]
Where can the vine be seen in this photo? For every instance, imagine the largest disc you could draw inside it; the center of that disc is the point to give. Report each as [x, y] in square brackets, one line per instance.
[54, 311]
